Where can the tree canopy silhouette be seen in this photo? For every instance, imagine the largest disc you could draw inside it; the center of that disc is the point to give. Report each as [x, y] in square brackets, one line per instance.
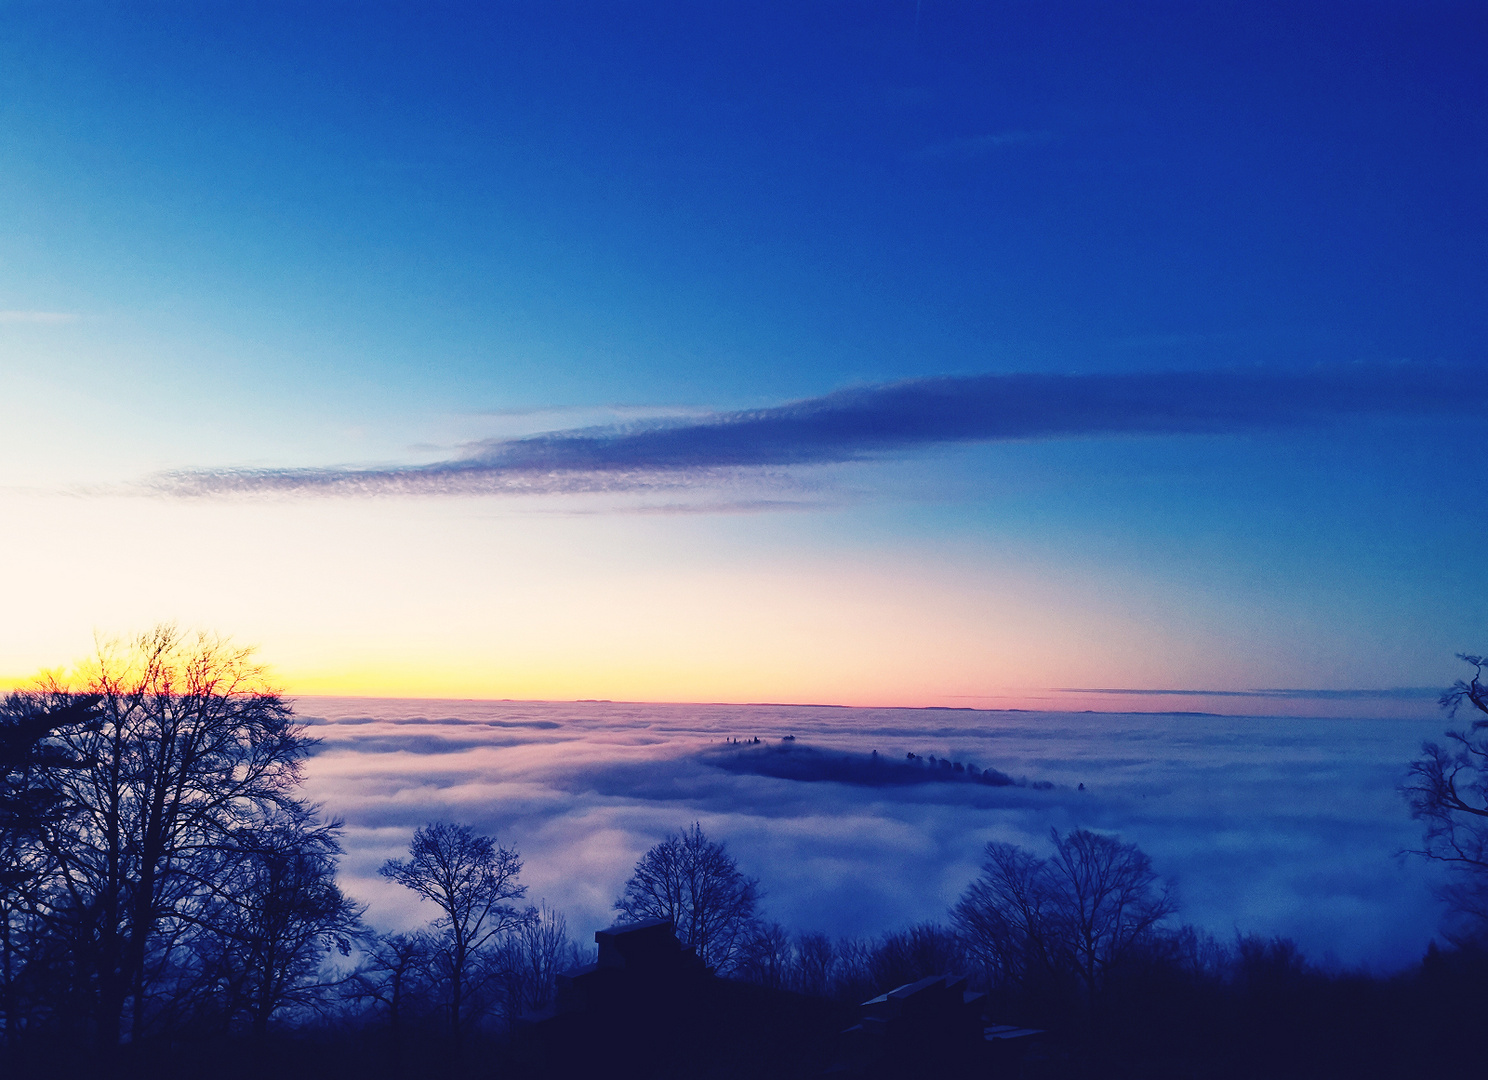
[277, 915]
[1447, 788]
[187, 750]
[695, 883]
[1075, 914]
[470, 878]
[29, 805]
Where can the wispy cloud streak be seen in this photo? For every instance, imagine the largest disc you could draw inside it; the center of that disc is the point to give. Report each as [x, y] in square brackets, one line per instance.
[885, 420]
[1395, 693]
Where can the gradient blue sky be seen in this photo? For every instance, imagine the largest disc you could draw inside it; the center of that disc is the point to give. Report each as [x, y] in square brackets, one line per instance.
[1202, 287]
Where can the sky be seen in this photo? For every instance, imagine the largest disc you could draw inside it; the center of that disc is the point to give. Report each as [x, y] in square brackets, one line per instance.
[912, 353]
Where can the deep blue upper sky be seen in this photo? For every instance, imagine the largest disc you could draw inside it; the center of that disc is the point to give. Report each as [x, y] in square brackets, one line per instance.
[732, 204]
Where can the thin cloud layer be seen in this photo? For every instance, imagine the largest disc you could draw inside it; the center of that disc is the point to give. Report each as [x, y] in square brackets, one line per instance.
[883, 420]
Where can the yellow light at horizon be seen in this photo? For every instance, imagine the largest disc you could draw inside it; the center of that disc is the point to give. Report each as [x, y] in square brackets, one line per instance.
[459, 600]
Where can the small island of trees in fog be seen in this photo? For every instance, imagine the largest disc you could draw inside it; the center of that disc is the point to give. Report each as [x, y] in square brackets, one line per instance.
[792, 760]
[169, 906]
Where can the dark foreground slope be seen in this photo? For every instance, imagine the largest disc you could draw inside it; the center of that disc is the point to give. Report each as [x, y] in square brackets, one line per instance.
[1269, 1015]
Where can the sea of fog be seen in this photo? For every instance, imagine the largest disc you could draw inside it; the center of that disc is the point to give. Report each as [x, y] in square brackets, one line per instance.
[1270, 825]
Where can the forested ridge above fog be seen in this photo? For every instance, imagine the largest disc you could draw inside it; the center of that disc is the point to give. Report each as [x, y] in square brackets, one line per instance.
[789, 759]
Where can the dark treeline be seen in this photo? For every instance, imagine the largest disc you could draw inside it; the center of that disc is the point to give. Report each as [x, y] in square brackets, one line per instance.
[169, 907]
[1175, 1003]
[164, 890]
[1085, 944]
[159, 872]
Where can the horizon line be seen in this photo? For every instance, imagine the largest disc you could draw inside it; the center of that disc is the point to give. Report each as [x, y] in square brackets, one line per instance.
[1395, 693]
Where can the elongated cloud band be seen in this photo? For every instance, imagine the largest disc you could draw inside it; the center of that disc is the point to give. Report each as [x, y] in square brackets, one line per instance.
[887, 419]
[1396, 693]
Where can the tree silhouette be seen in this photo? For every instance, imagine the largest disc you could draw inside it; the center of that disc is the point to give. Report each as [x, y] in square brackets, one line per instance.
[1076, 914]
[695, 883]
[815, 962]
[904, 956]
[1006, 914]
[1447, 789]
[394, 979]
[532, 957]
[470, 878]
[278, 915]
[186, 749]
[768, 957]
[28, 806]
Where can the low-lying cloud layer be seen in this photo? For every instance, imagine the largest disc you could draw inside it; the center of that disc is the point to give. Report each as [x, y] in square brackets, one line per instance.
[881, 420]
[1273, 825]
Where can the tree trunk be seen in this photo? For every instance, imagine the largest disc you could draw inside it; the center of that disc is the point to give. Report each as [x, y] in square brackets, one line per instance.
[457, 996]
[9, 999]
[110, 1008]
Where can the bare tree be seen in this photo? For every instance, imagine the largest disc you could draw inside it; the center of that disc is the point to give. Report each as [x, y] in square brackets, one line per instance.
[188, 748]
[1448, 790]
[396, 977]
[1079, 913]
[546, 950]
[906, 956]
[28, 753]
[471, 879]
[28, 807]
[394, 974]
[278, 916]
[533, 956]
[696, 884]
[1006, 916]
[852, 970]
[768, 957]
[1110, 899]
[816, 962]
